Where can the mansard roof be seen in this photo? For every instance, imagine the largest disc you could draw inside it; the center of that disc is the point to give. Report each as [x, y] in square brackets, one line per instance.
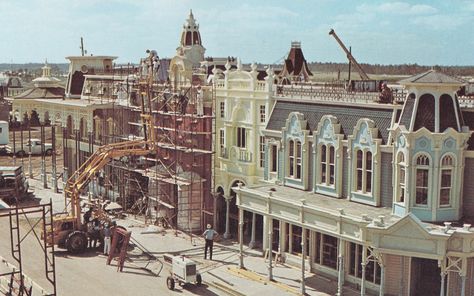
[347, 116]
[432, 76]
[42, 93]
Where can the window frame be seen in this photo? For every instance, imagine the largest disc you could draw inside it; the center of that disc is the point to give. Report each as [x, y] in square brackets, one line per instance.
[401, 184]
[273, 162]
[263, 115]
[446, 166]
[222, 109]
[295, 159]
[363, 175]
[261, 145]
[422, 166]
[327, 165]
[241, 140]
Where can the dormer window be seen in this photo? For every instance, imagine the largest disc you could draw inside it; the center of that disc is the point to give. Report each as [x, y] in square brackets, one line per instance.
[364, 171]
[327, 165]
[294, 157]
[422, 179]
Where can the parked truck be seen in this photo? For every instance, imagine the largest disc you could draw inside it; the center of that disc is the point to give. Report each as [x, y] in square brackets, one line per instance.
[13, 184]
[35, 146]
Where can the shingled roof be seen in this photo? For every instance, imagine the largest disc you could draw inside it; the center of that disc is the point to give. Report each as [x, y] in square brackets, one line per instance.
[347, 116]
[433, 76]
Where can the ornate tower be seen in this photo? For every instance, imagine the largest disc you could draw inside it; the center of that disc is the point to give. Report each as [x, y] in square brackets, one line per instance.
[191, 44]
[429, 146]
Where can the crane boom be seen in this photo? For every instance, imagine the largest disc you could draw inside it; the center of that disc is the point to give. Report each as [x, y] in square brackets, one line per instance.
[97, 161]
[351, 58]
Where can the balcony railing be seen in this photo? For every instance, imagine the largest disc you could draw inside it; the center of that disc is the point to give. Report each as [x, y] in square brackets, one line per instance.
[334, 94]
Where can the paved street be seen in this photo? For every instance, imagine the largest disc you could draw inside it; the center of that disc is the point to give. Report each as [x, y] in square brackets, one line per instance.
[144, 272]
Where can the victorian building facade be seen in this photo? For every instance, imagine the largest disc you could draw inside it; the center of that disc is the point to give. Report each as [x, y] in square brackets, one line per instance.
[373, 195]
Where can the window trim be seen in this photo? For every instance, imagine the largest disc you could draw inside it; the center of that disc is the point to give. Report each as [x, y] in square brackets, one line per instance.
[446, 167]
[401, 186]
[295, 159]
[261, 145]
[263, 114]
[428, 169]
[222, 109]
[241, 137]
[325, 165]
[365, 174]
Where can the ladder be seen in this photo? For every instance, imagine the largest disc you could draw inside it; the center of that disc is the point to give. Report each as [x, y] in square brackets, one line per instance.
[120, 239]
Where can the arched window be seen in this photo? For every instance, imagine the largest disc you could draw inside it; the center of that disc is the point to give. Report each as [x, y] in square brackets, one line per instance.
[400, 195]
[422, 179]
[447, 113]
[446, 181]
[295, 159]
[425, 113]
[364, 171]
[327, 164]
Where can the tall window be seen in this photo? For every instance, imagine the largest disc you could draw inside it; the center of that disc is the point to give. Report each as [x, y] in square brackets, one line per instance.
[422, 177]
[262, 113]
[446, 181]
[372, 269]
[221, 138]
[291, 156]
[262, 151]
[241, 137]
[222, 109]
[326, 250]
[364, 171]
[274, 158]
[327, 164]
[295, 159]
[401, 177]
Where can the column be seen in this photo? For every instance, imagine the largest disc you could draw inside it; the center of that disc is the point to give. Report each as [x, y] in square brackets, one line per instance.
[54, 180]
[340, 263]
[30, 167]
[44, 177]
[363, 264]
[227, 208]
[443, 280]
[214, 209]
[303, 255]
[382, 279]
[252, 236]
[241, 238]
[270, 252]
[14, 148]
[463, 285]
[65, 156]
[266, 228]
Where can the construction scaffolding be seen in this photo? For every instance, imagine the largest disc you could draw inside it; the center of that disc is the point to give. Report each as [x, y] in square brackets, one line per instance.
[14, 281]
[180, 177]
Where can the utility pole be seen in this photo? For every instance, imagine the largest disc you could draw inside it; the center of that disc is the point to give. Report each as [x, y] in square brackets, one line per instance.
[82, 46]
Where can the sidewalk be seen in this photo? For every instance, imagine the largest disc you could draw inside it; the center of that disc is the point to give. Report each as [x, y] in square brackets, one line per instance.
[223, 269]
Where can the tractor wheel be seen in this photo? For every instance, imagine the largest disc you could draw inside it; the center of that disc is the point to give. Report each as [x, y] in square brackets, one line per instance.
[48, 152]
[76, 242]
[20, 153]
[198, 279]
[170, 282]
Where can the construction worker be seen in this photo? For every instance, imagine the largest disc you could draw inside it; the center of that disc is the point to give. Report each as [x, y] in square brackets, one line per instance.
[209, 236]
[107, 239]
[386, 94]
[87, 216]
[199, 102]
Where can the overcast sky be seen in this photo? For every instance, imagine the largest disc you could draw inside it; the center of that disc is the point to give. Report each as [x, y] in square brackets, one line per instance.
[436, 32]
